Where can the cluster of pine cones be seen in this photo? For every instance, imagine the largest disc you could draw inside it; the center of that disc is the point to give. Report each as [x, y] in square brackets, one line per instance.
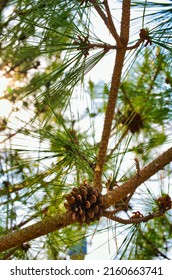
[85, 204]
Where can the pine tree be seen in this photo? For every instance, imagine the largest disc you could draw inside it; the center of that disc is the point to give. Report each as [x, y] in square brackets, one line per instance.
[77, 153]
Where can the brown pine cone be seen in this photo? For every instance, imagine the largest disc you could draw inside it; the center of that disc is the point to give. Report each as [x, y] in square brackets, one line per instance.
[85, 204]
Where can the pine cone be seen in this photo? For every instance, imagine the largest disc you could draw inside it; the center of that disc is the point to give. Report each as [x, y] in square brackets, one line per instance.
[85, 204]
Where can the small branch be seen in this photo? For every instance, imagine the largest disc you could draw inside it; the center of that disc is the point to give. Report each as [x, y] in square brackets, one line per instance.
[115, 83]
[123, 207]
[103, 46]
[136, 45]
[100, 12]
[137, 163]
[144, 36]
[84, 44]
[139, 220]
[108, 21]
[111, 24]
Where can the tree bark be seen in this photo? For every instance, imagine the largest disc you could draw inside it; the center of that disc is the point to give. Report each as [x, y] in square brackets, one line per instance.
[47, 225]
[115, 83]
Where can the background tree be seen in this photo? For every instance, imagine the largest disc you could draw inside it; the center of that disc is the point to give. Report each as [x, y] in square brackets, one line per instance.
[65, 166]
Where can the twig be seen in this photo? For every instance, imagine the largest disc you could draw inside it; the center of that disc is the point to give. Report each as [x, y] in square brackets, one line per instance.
[111, 24]
[137, 166]
[124, 205]
[136, 45]
[139, 220]
[107, 47]
[100, 12]
[85, 45]
[108, 22]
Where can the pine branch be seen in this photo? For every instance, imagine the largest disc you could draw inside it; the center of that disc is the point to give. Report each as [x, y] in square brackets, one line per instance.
[115, 83]
[107, 20]
[47, 225]
[53, 223]
[136, 45]
[139, 220]
[99, 11]
[111, 24]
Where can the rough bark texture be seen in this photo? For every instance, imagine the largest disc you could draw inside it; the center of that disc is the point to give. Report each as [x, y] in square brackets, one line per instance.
[115, 83]
[47, 225]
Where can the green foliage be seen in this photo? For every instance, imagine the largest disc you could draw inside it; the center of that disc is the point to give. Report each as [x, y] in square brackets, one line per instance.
[49, 143]
[154, 241]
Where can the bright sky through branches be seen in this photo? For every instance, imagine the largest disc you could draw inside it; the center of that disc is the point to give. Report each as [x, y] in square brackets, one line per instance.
[5, 105]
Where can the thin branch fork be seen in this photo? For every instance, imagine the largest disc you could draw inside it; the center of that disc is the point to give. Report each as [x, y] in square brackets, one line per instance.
[136, 45]
[110, 24]
[107, 20]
